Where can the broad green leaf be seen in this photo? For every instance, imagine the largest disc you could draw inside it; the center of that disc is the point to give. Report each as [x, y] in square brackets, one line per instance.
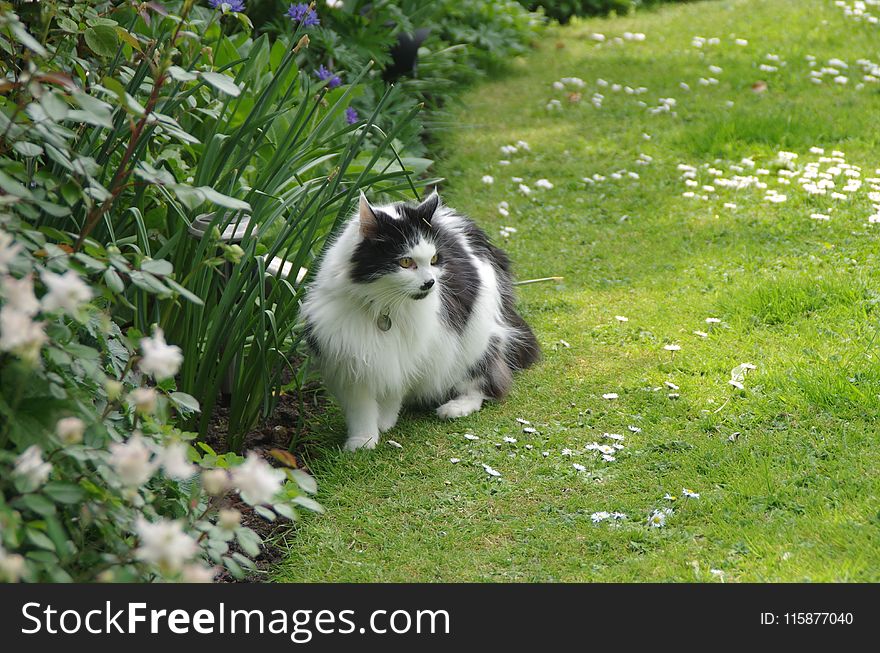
[160, 267]
[222, 83]
[114, 281]
[223, 200]
[102, 40]
[64, 492]
[187, 403]
[27, 149]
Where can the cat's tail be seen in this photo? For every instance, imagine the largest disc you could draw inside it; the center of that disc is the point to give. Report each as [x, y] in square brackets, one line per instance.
[522, 349]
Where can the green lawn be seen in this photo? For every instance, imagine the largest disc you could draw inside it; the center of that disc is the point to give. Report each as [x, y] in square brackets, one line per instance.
[795, 495]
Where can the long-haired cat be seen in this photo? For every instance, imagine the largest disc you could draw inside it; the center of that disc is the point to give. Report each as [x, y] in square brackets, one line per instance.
[413, 304]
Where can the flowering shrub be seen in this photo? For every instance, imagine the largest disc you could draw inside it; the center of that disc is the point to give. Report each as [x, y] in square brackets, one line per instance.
[96, 482]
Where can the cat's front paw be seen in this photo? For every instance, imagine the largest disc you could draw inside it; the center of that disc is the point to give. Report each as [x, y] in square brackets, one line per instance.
[460, 407]
[356, 442]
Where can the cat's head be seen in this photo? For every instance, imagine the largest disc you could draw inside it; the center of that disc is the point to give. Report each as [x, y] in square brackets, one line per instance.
[397, 253]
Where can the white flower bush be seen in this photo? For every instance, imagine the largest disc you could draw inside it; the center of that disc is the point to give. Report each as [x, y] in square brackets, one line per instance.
[97, 481]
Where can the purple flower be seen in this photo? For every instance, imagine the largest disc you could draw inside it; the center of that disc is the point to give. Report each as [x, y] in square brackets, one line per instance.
[235, 6]
[326, 76]
[351, 116]
[302, 13]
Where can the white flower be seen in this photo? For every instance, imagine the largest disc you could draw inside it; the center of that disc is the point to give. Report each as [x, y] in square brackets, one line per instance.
[66, 291]
[132, 461]
[31, 468]
[608, 458]
[19, 295]
[610, 395]
[741, 42]
[215, 481]
[579, 468]
[702, 334]
[20, 335]
[228, 519]
[161, 360]
[11, 564]
[600, 516]
[614, 436]
[657, 519]
[524, 422]
[510, 440]
[567, 452]
[8, 251]
[820, 216]
[257, 481]
[143, 399]
[672, 347]
[70, 429]
[621, 318]
[488, 179]
[690, 494]
[164, 544]
[670, 385]
[713, 320]
[334, 4]
[471, 436]
[634, 429]
[543, 183]
[175, 461]
[525, 190]
[455, 460]
[490, 471]
[196, 573]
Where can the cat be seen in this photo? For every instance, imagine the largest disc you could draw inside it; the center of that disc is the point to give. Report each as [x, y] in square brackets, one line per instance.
[411, 304]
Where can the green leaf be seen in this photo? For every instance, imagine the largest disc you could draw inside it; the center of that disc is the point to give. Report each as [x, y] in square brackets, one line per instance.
[160, 267]
[102, 40]
[39, 504]
[22, 36]
[64, 492]
[183, 292]
[67, 25]
[221, 83]
[308, 503]
[27, 149]
[265, 513]
[40, 539]
[249, 541]
[223, 200]
[305, 481]
[233, 567]
[114, 281]
[178, 74]
[148, 282]
[187, 403]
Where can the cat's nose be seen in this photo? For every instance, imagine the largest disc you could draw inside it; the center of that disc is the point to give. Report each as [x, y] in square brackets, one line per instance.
[427, 285]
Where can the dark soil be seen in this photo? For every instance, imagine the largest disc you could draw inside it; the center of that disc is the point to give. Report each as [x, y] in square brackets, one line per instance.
[286, 429]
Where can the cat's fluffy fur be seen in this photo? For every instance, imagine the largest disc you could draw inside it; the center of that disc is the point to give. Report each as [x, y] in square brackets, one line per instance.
[391, 324]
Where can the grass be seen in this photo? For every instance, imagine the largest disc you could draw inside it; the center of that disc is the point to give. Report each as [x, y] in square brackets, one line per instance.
[787, 470]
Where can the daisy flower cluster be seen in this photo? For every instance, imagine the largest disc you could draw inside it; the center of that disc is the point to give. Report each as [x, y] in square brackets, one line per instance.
[867, 11]
[839, 71]
[827, 178]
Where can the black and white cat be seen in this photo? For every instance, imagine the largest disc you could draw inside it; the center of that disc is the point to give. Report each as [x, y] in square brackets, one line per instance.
[413, 304]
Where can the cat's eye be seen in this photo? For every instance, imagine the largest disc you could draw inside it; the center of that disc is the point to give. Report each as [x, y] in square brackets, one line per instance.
[434, 259]
[406, 262]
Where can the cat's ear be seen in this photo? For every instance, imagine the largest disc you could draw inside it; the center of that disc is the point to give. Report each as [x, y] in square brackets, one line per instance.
[368, 221]
[426, 210]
